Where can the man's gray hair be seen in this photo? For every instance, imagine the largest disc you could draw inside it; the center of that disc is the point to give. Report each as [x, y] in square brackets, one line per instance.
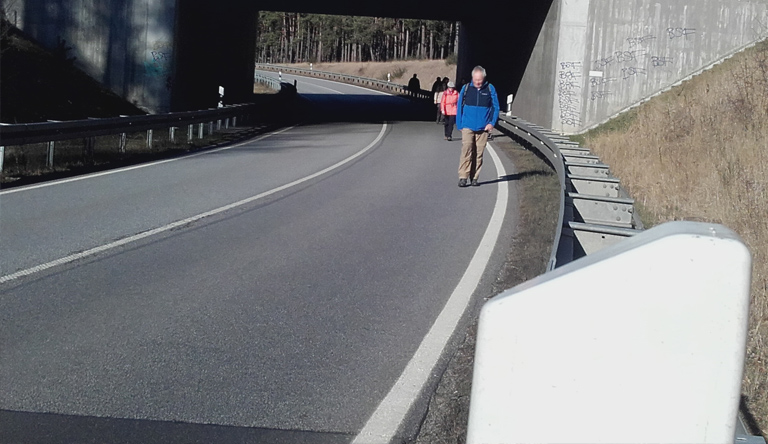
[479, 69]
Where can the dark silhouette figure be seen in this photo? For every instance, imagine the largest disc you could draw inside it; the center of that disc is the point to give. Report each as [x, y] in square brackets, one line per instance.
[437, 94]
[414, 85]
[436, 86]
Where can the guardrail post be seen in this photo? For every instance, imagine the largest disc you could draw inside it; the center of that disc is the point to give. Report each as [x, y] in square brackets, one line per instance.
[149, 139]
[190, 130]
[49, 158]
[2, 157]
[218, 125]
[88, 143]
[210, 127]
[234, 121]
[226, 123]
[200, 131]
[172, 134]
[123, 140]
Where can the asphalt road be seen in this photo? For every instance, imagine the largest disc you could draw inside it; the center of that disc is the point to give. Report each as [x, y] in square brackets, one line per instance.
[286, 314]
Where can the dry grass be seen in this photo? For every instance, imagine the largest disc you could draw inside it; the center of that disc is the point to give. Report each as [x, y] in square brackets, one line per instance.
[401, 71]
[700, 152]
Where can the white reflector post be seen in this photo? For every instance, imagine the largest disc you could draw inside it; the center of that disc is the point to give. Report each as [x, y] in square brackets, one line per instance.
[642, 342]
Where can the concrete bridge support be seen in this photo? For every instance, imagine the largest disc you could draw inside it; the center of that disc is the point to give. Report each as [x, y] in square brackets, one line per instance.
[501, 43]
[215, 46]
[160, 55]
[597, 58]
[127, 45]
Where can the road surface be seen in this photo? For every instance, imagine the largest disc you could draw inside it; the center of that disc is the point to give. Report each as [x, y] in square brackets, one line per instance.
[272, 291]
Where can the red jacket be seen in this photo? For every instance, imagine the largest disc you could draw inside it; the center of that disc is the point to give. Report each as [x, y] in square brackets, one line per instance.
[450, 102]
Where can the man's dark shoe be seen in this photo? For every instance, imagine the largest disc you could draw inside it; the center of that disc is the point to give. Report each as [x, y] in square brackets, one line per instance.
[463, 183]
[474, 183]
[449, 138]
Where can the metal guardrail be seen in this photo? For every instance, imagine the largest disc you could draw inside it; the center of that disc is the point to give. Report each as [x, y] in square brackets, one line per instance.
[594, 212]
[267, 81]
[53, 131]
[26, 133]
[355, 80]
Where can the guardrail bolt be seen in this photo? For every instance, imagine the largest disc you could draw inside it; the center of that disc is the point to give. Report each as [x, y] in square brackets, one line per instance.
[49, 159]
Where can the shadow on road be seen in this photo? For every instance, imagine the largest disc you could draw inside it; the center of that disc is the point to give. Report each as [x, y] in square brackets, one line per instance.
[48, 428]
[321, 108]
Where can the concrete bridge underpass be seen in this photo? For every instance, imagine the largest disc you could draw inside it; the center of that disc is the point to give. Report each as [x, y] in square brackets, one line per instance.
[571, 64]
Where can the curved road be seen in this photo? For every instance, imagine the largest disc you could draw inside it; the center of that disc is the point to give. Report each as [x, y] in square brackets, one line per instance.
[272, 291]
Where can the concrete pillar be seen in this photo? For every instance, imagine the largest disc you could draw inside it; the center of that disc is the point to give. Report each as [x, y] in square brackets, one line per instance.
[127, 45]
[572, 71]
[536, 95]
[215, 46]
[502, 44]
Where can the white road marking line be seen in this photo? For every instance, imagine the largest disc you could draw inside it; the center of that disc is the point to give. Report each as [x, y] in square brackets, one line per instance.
[142, 165]
[146, 234]
[385, 421]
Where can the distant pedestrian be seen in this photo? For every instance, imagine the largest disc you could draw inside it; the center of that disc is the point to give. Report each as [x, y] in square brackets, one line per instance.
[448, 106]
[476, 115]
[437, 84]
[414, 85]
[437, 94]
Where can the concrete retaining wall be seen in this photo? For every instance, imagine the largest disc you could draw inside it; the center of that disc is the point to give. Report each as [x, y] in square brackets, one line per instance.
[613, 54]
[128, 45]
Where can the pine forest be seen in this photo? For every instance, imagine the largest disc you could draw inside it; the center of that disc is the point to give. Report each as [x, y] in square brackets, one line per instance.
[302, 38]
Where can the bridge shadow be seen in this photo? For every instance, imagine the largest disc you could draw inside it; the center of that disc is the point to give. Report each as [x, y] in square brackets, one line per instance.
[50, 428]
[324, 108]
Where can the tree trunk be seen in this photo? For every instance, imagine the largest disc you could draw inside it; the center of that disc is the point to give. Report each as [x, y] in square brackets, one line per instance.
[423, 43]
[407, 38]
[320, 46]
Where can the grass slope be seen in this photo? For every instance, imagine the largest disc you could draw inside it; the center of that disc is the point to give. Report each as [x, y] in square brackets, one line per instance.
[700, 152]
[401, 70]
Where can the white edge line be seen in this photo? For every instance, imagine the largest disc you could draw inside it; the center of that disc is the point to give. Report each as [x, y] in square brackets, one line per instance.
[385, 421]
[145, 234]
[142, 165]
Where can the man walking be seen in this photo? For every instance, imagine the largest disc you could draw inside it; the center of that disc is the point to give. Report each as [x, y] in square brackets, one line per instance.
[477, 113]
[414, 86]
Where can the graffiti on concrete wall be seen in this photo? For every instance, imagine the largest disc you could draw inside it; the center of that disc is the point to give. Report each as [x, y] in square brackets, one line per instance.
[159, 61]
[634, 42]
[569, 93]
[679, 33]
[636, 59]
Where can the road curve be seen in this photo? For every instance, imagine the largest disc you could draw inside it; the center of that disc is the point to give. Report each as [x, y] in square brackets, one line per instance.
[274, 291]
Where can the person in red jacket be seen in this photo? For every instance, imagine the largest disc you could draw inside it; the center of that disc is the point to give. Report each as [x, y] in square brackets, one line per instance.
[448, 106]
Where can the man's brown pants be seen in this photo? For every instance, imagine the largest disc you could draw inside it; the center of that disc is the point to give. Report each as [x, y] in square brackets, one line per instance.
[472, 149]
